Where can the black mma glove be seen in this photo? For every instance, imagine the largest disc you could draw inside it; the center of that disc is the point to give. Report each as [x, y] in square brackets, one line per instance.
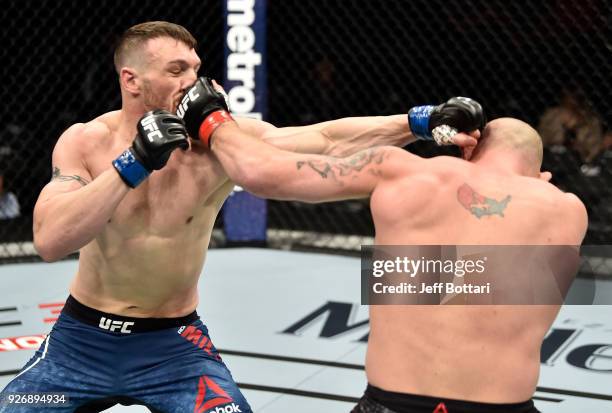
[159, 133]
[203, 109]
[459, 113]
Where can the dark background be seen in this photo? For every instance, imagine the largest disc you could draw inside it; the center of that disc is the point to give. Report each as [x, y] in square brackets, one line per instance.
[326, 59]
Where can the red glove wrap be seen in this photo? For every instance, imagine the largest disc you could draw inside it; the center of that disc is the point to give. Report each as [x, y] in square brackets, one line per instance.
[212, 122]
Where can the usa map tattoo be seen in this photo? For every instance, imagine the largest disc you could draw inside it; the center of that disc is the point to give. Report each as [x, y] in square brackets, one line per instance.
[480, 205]
[57, 175]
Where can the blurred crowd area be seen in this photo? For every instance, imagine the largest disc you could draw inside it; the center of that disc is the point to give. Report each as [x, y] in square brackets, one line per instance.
[578, 151]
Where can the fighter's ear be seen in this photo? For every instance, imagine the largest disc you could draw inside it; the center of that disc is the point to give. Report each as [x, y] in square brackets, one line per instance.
[128, 77]
[545, 176]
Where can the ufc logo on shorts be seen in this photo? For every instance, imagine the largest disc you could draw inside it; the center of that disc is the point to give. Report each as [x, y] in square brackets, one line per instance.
[113, 325]
[149, 125]
[184, 105]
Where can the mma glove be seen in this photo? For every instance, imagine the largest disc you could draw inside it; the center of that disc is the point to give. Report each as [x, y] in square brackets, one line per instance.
[204, 109]
[439, 123]
[158, 133]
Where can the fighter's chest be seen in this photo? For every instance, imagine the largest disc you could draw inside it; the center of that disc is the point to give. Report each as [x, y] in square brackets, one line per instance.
[181, 191]
[173, 192]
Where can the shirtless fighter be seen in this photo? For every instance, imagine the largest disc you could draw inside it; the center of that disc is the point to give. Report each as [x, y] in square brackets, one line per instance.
[141, 214]
[454, 359]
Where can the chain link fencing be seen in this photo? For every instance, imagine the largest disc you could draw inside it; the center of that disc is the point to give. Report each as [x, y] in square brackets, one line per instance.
[58, 71]
[546, 62]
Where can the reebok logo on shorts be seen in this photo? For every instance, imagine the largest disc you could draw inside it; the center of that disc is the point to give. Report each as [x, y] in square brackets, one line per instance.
[233, 408]
[210, 398]
[441, 408]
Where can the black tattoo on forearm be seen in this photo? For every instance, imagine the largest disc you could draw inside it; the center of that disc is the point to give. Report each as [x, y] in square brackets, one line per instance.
[336, 168]
[57, 176]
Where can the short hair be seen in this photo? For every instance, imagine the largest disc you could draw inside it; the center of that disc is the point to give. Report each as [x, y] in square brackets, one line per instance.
[135, 36]
[515, 135]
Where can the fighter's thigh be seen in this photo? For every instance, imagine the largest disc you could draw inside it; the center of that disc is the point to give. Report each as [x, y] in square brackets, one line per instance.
[210, 389]
[63, 387]
[31, 392]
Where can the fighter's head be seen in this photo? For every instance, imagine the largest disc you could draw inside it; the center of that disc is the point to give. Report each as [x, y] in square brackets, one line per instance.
[515, 141]
[156, 62]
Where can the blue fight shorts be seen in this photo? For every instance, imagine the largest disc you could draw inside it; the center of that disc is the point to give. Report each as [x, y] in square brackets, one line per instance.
[96, 360]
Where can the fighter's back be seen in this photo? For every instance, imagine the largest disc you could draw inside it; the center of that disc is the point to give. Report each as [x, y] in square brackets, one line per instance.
[465, 203]
[486, 353]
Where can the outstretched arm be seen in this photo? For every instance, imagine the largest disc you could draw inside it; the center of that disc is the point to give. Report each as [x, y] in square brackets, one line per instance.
[340, 137]
[272, 173]
[258, 168]
[345, 136]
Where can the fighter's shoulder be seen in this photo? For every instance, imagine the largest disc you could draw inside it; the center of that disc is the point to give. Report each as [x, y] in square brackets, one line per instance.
[444, 167]
[87, 134]
[395, 157]
[574, 206]
[401, 164]
[567, 208]
[565, 200]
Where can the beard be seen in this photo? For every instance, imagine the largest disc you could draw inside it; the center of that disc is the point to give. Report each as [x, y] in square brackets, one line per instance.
[154, 100]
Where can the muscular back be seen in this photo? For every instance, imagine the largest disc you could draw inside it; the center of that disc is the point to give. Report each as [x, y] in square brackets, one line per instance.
[424, 208]
[485, 353]
[148, 256]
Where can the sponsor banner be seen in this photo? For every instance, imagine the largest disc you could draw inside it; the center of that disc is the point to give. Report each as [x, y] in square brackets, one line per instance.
[22, 342]
[245, 78]
[245, 81]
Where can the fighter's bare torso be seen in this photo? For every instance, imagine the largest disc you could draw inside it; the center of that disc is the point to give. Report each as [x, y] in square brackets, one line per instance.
[487, 353]
[148, 258]
[142, 250]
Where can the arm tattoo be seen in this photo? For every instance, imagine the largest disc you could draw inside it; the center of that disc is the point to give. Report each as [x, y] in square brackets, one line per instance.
[335, 168]
[57, 176]
[480, 205]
